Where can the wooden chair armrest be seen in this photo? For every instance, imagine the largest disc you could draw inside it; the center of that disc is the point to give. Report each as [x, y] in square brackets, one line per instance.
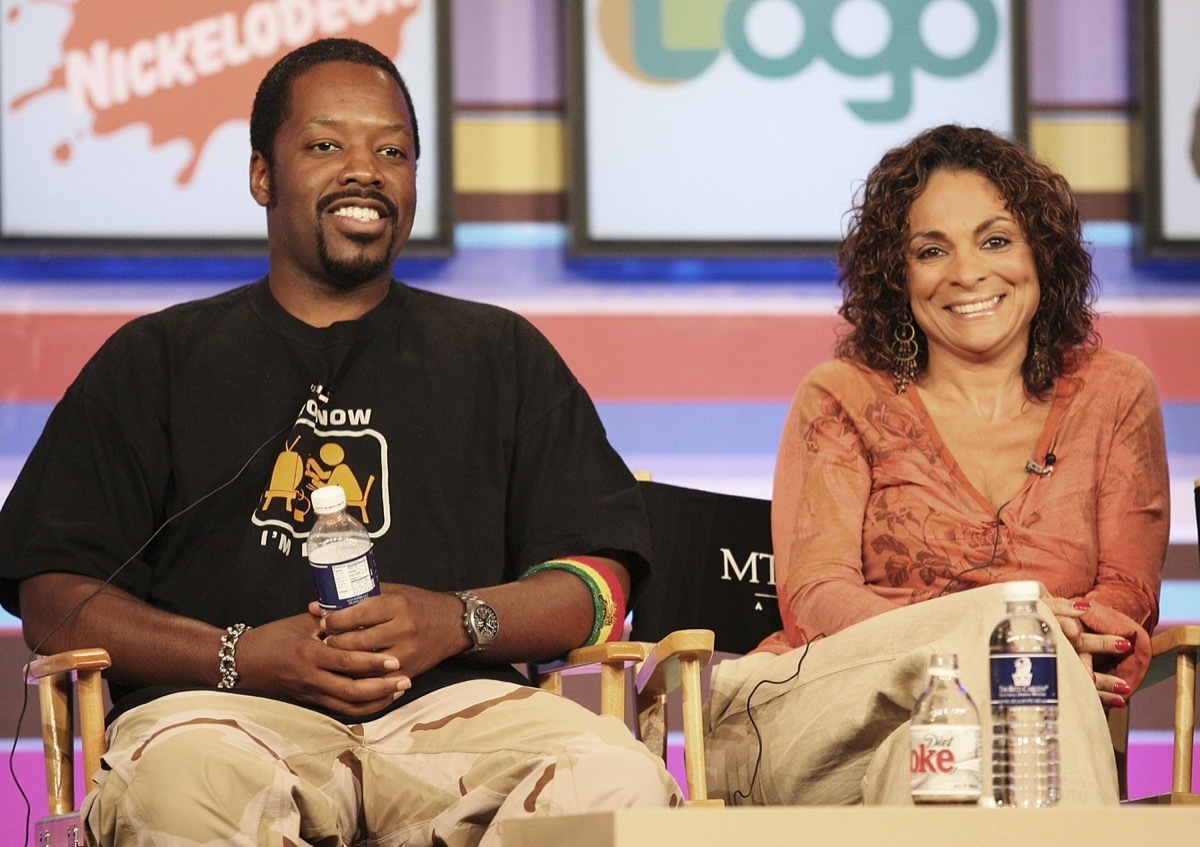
[1184, 635]
[596, 654]
[611, 659]
[661, 672]
[53, 675]
[1175, 652]
[91, 658]
[675, 663]
[1165, 648]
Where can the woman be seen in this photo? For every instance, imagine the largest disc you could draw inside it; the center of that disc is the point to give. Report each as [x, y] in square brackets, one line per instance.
[971, 431]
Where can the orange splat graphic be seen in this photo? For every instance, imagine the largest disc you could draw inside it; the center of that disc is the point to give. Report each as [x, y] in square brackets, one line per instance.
[185, 69]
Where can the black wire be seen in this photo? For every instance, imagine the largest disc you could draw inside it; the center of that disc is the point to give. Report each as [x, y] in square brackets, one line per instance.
[991, 559]
[33, 654]
[745, 795]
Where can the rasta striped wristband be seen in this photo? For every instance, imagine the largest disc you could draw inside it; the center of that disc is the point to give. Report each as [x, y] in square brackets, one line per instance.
[608, 599]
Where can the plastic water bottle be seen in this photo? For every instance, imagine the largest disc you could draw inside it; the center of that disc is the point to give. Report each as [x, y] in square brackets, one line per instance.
[339, 553]
[1024, 690]
[944, 762]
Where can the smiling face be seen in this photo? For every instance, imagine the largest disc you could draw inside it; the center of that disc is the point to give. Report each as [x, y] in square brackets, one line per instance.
[341, 193]
[971, 275]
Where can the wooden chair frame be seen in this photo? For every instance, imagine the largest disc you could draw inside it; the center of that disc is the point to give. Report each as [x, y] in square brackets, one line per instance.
[66, 681]
[660, 669]
[1175, 651]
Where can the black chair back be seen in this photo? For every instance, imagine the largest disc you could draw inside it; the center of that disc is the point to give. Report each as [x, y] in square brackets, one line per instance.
[713, 567]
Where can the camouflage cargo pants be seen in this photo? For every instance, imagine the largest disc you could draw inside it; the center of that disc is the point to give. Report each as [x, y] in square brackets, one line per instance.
[218, 768]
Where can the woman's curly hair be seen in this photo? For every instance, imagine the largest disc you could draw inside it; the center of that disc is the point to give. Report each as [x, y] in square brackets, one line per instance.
[872, 255]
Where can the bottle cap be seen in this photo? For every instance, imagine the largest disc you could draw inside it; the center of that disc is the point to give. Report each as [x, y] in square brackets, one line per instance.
[943, 664]
[1024, 590]
[330, 498]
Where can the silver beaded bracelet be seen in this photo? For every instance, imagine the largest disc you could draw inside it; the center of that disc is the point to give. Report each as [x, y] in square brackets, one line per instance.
[229, 674]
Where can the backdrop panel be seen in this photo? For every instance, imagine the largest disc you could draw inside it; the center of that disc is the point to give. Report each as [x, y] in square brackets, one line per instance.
[125, 124]
[743, 126]
[1171, 128]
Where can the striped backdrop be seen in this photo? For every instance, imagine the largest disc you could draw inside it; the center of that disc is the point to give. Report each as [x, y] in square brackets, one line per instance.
[691, 363]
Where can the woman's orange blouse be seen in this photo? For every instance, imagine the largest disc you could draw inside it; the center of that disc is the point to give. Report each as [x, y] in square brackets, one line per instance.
[870, 511]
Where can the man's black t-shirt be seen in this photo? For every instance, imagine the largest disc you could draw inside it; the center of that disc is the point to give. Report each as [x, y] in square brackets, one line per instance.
[180, 461]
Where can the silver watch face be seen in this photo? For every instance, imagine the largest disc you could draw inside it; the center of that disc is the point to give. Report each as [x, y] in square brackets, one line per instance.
[485, 622]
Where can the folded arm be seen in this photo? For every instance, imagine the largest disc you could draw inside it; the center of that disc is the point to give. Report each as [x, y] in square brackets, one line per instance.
[1134, 524]
[1112, 635]
[541, 616]
[150, 646]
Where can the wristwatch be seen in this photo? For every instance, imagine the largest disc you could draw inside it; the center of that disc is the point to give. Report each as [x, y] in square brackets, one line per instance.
[479, 620]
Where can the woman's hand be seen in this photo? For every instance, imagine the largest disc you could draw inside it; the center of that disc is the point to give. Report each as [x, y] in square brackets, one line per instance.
[1088, 645]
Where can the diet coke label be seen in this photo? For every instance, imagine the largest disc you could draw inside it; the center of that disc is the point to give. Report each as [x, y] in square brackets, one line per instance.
[944, 763]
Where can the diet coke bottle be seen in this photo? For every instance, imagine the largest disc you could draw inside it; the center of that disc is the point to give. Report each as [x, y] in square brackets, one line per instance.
[944, 762]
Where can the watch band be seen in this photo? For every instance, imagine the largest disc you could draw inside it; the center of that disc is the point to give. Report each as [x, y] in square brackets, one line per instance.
[479, 620]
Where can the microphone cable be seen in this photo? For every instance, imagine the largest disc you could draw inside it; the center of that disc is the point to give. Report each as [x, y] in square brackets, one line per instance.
[745, 795]
[12, 768]
[991, 559]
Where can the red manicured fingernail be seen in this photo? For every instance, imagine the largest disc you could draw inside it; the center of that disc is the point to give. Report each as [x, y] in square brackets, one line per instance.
[1122, 688]
[1082, 605]
[1118, 703]
[1123, 645]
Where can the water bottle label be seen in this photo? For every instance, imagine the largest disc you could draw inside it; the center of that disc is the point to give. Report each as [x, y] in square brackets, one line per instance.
[342, 584]
[1024, 679]
[944, 762]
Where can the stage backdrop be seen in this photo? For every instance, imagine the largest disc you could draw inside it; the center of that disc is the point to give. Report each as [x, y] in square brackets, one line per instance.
[126, 123]
[743, 126]
[1171, 128]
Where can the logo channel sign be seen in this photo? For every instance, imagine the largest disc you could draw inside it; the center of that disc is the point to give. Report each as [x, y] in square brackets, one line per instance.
[670, 41]
[755, 120]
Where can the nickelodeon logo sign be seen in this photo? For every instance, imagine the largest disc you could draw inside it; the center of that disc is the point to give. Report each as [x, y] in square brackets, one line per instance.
[185, 69]
[106, 75]
[661, 42]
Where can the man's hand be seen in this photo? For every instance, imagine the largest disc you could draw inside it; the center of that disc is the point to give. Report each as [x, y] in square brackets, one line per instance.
[289, 658]
[541, 616]
[413, 627]
[150, 646]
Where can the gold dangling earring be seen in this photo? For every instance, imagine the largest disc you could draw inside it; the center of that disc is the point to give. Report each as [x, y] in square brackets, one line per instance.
[904, 352]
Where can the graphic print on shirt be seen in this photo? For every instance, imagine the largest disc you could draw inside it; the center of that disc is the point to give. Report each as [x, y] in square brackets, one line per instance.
[327, 445]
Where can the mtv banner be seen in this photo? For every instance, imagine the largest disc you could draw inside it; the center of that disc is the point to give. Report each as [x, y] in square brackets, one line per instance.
[745, 125]
[123, 119]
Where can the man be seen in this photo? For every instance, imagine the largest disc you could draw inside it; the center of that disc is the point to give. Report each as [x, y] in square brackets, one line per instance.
[163, 512]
